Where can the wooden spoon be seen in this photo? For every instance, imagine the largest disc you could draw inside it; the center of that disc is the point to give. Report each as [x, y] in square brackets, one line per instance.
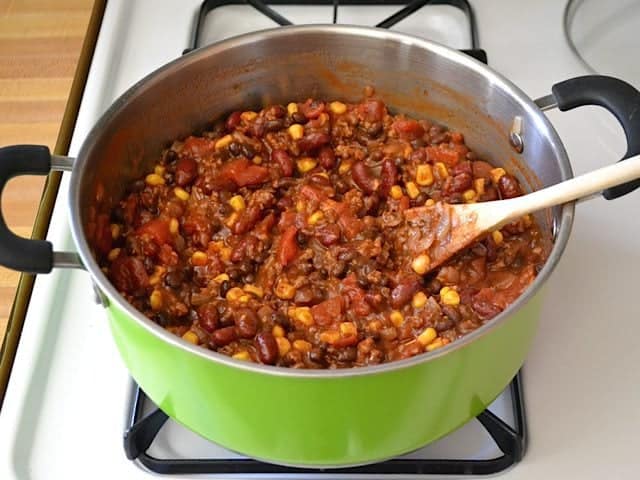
[435, 233]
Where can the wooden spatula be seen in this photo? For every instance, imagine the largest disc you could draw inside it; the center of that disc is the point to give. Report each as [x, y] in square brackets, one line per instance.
[435, 233]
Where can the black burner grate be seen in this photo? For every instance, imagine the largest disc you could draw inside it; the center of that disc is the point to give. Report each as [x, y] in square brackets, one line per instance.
[407, 8]
[511, 441]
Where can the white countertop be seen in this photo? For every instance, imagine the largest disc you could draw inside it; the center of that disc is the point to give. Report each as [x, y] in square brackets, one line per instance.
[581, 384]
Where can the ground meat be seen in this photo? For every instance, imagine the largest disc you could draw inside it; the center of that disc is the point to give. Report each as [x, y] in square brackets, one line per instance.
[273, 238]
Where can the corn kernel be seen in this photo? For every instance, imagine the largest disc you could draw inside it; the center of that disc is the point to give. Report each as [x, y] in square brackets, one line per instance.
[421, 264]
[242, 355]
[154, 179]
[115, 230]
[159, 170]
[277, 331]
[396, 192]
[199, 259]
[528, 220]
[449, 296]
[232, 219]
[284, 346]
[306, 164]
[300, 206]
[191, 337]
[223, 142]
[254, 290]
[248, 116]
[374, 326]
[419, 300]
[408, 150]
[322, 119]
[302, 345]
[181, 193]
[437, 343]
[225, 254]
[469, 195]
[157, 275]
[478, 184]
[315, 217]
[237, 203]
[348, 329]
[496, 174]
[428, 336]
[330, 336]
[441, 170]
[302, 315]
[234, 294]
[412, 190]
[296, 131]
[497, 237]
[292, 108]
[174, 225]
[396, 318]
[113, 254]
[424, 175]
[223, 277]
[337, 107]
[257, 159]
[285, 290]
[430, 202]
[344, 167]
[155, 300]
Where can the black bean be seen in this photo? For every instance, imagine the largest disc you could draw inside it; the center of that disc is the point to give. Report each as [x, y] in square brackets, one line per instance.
[224, 288]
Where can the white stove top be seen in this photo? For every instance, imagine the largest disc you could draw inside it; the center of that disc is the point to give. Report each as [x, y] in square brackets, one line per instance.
[65, 408]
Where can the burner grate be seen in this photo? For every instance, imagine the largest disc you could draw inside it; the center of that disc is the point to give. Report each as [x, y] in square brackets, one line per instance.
[142, 431]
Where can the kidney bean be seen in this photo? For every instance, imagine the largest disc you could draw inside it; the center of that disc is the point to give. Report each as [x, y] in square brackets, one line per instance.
[452, 313]
[364, 178]
[128, 274]
[404, 291]
[298, 117]
[418, 156]
[186, 171]
[388, 176]
[372, 110]
[224, 336]
[484, 308]
[462, 167]
[481, 169]
[283, 160]
[233, 121]
[208, 317]
[276, 111]
[313, 141]
[174, 278]
[312, 108]
[509, 186]
[273, 125]
[460, 183]
[246, 322]
[326, 157]
[267, 348]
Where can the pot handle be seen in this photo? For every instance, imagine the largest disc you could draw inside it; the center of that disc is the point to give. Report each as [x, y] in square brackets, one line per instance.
[615, 95]
[23, 254]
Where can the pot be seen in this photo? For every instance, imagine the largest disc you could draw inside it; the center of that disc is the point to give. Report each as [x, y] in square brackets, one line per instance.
[305, 417]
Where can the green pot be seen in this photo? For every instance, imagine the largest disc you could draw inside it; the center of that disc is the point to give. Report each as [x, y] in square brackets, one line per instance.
[301, 417]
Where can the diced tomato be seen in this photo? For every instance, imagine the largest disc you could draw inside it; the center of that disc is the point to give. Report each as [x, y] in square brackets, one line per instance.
[157, 229]
[287, 248]
[242, 172]
[445, 155]
[327, 312]
[408, 129]
[312, 193]
[198, 146]
[355, 295]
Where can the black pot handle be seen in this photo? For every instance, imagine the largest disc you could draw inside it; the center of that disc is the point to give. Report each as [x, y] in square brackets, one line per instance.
[619, 98]
[18, 253]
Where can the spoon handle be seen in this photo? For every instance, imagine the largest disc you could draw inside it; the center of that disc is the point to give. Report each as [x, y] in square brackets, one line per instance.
[582, 186]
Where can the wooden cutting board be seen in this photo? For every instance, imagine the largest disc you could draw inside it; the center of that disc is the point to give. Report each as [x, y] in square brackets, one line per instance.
[40, 43]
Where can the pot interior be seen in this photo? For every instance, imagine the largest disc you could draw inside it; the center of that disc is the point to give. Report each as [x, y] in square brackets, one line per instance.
[410, 75]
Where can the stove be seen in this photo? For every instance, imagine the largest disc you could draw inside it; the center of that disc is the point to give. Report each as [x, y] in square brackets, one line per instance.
[70, 401]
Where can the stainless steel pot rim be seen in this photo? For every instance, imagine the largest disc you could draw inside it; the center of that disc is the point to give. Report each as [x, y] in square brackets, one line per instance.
[464, 61]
